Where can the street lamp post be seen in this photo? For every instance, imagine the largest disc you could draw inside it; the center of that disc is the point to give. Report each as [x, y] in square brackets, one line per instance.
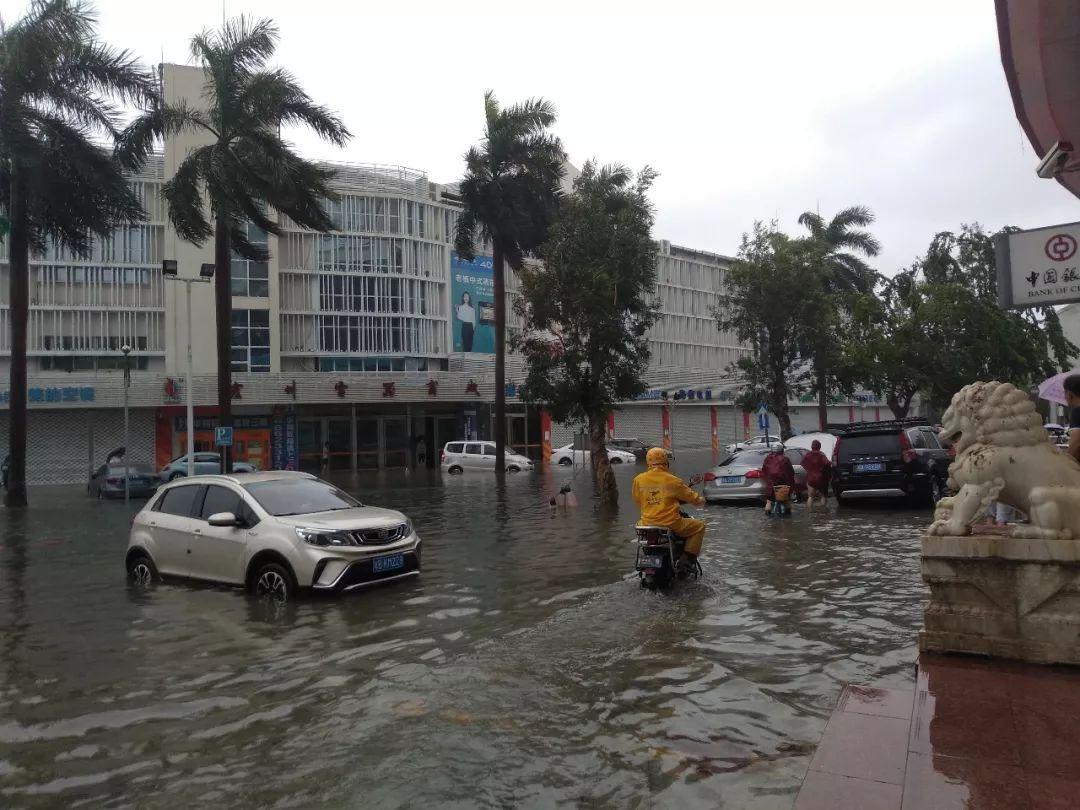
[206, 272]
[126, 349]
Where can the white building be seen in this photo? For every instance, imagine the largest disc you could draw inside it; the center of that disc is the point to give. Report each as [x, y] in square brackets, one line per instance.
[347, 344]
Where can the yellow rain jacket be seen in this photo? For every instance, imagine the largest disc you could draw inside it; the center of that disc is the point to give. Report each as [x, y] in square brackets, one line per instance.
[658, 494]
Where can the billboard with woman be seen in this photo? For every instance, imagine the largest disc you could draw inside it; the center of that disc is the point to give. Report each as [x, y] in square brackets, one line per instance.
[472, 304]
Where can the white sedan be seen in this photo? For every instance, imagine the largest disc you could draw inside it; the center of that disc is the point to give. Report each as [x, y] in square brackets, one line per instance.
[568, 455]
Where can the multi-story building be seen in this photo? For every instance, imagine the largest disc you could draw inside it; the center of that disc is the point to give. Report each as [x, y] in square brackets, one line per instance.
[365, 347]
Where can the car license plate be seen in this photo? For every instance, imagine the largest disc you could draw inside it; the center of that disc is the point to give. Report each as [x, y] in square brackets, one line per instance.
[731, 479]
[872, 467]
[651, 562]
[391, 563]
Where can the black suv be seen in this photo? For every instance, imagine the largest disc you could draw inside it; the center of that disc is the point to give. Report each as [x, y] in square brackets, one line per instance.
[896, 459]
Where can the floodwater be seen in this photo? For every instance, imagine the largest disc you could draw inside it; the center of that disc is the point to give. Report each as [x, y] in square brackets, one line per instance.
[525, 667]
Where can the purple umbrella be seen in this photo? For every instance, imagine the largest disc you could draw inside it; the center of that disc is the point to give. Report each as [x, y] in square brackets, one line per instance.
[1053, 389]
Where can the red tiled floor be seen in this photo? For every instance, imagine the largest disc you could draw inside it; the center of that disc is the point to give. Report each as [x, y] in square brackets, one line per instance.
[958, 727]
[864, 747]
[1049, 691]
[944, 783]
[1049, 744]
[964, 677]
[826, 791]
[1052, 793]
[878, 702]
[982, 735]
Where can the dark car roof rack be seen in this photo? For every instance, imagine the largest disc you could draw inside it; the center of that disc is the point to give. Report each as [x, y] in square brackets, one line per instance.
[886, 426]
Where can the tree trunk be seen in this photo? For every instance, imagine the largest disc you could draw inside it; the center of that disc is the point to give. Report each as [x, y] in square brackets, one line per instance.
[19, 267]
[823, 396]
[497, 269]
[606, 487]
[223, 305]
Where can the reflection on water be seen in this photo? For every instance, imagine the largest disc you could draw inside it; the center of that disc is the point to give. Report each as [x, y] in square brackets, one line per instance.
[524, 666]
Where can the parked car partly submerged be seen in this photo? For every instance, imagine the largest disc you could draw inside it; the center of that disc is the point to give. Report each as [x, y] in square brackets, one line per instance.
[108, 481]
[567, 455]
[739, 478]
[276, 533]
[635, 446]
[205, 464]
[459, 456]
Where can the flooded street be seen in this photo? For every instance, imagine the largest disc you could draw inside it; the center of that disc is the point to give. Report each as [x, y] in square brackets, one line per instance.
[523, 668]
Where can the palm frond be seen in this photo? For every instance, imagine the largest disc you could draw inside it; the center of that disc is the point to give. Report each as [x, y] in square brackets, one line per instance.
[247, 43]
[813, 223]
[136, 142]
[274, 98]
[101, 69]
[183, 193]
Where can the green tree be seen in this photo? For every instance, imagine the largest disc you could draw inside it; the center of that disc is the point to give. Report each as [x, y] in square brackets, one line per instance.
[938, 327]
[841, 244]
[587, 308]
[774, 289]
[245, 165]
[58, 87]
[511, 194]
[890, 349]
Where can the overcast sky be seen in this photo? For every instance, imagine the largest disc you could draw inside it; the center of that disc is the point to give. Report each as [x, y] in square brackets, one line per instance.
[749, 110]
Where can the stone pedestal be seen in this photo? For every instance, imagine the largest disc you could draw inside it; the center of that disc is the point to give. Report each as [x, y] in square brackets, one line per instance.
[1002, 596]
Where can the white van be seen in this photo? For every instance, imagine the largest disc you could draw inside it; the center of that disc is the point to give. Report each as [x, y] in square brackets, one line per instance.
[457, 457]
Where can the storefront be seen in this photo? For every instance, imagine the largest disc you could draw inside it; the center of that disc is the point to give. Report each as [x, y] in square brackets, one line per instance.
[251, 435]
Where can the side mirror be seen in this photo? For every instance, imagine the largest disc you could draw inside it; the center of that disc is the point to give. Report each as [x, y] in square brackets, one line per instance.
[223, 519]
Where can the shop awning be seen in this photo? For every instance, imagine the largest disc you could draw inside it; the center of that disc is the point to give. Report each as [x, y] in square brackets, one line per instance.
[1040, 51]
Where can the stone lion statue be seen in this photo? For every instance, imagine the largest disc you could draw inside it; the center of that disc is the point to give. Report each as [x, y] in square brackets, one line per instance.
[1002, 454]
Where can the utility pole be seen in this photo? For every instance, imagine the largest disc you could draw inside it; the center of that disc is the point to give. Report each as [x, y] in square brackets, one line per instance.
[206, 273]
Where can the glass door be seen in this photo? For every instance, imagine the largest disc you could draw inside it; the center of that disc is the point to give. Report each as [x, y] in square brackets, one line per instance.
[337, 435]
[395, 441]
[367, 442]
[310, 444]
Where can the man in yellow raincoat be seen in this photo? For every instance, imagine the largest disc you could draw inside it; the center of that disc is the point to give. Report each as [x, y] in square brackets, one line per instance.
[658, 494]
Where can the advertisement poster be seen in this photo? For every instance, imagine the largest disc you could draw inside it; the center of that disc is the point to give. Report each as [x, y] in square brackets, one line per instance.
[283, 439]
[472, 304]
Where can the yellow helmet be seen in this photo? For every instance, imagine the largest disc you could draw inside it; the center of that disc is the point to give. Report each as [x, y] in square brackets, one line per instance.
[656, 457]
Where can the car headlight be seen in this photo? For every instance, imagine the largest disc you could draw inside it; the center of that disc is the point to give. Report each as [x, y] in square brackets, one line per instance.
[325, 537]
[408, 528]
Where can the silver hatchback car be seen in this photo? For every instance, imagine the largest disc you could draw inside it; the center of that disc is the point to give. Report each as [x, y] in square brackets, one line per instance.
[738, 478]
[273, 532]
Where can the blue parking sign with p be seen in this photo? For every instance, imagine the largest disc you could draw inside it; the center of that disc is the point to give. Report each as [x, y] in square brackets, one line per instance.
[223, 436]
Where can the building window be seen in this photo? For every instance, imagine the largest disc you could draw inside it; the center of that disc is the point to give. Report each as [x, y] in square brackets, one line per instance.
[250, 278]
[250, 340]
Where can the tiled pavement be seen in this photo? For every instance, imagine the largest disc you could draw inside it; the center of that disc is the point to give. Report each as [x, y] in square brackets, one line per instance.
[975, 734]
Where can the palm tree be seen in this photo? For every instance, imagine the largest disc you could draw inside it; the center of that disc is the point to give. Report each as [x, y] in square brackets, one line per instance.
[57, 88]
[511, 193]
[246, 165]
[839, 241]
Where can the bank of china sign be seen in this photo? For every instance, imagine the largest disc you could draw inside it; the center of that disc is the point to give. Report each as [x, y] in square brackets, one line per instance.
[1039, 267]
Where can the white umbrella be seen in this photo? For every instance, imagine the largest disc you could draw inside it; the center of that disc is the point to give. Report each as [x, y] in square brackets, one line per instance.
[1053, 389]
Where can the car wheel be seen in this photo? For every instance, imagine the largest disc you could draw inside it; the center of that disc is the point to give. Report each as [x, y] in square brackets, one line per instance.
[615, 461]
[175, 475]
[455, 470]
[141, 569]
[513, 468]
[274, 582]
[565, 461]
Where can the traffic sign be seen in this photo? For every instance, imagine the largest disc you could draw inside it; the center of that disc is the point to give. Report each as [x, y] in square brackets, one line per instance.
[223, 436]
[763, 419]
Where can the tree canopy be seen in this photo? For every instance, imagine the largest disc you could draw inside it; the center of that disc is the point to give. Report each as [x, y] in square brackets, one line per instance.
[58, 91]
[588, 308]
